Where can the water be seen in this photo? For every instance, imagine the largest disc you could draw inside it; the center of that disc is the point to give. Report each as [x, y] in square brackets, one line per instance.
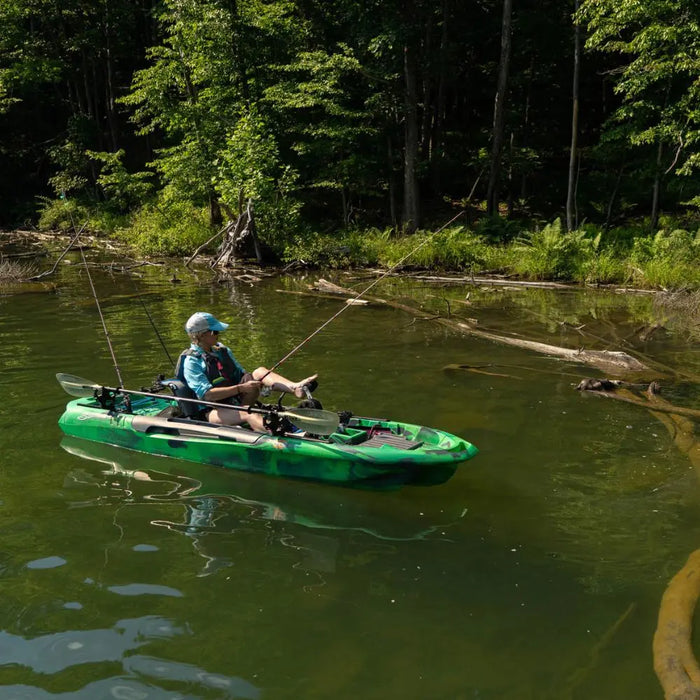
[535, 572]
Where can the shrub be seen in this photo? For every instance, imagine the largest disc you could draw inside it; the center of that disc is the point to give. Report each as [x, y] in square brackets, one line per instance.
[61, 214]
[551, 253]
[168, 229]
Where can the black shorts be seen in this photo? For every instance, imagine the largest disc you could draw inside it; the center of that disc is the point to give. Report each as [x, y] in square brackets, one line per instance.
[234, 400]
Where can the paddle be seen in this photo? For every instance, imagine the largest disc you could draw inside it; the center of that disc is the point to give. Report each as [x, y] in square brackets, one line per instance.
[312, 420]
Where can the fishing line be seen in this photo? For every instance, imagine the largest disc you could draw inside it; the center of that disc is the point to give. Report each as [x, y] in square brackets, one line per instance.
[102, 318]
[153, 325]
[362, 293]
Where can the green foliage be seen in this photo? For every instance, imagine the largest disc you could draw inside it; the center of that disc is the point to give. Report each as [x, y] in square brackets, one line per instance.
[123, 190]
[250, 168]
[497, 229]
[61, 214]
[166, 229]
[315, 96]
[552, 253]
[659, 42]
[669, 259]
[453, 249]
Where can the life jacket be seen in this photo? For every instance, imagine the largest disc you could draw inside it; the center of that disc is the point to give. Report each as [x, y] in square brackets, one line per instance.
[219, 371]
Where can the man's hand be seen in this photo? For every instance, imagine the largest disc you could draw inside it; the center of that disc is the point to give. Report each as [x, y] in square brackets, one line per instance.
[249, 391]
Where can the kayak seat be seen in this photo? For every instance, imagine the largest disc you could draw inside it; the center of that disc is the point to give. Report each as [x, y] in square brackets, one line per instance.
[182, 391]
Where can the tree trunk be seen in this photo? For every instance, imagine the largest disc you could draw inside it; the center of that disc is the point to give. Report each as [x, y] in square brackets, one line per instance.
[524, 138]
[511, 154]
[654, 218]
[439, 106]
[571, 222]
[499, 110]
[109, 83]
[613, 196]
[410, 182]
[393, 216]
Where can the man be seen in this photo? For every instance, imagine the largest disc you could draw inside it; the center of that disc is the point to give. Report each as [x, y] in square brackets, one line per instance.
[212, 372]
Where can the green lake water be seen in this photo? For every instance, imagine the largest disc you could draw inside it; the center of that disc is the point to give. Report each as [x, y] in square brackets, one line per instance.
[535, 572]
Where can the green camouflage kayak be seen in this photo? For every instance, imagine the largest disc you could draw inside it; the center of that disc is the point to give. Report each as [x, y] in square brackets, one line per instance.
[361, 452]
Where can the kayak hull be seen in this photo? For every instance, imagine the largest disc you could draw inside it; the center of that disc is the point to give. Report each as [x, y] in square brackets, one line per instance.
[368, 453]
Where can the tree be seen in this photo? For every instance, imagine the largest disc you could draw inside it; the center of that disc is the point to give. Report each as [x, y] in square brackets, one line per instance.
[492, 197]
[571, 218]
[658, 43]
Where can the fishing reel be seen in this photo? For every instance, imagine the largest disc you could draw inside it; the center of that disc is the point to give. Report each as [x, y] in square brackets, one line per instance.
[157, 386]
[276, 424]
[107, 398]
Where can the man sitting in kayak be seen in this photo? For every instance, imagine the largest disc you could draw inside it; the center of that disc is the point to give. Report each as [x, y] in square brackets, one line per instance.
[212, 372]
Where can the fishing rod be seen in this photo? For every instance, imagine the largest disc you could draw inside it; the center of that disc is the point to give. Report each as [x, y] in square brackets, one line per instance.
[102, 318]
[361, 294]
[92, 287]
[313, 420]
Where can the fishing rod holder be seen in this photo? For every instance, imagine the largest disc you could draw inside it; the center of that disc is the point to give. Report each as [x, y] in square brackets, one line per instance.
[107, 398]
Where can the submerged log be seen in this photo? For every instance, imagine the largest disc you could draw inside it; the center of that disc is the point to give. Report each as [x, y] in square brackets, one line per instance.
[609, 361]
[674, 662]
[606, 388]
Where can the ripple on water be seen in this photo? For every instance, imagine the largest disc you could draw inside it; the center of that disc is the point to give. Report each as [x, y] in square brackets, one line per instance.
[149, 666]
[53, 653]
[46, 563]
[145, 589]
[145, 548]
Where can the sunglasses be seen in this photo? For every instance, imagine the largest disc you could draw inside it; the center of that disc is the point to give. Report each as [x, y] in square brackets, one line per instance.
[214, 332]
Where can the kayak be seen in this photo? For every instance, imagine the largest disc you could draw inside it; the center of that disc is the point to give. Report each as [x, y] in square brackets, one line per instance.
[360, 452]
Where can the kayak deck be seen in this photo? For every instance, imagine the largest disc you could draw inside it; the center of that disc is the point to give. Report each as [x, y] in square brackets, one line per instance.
[365, 452]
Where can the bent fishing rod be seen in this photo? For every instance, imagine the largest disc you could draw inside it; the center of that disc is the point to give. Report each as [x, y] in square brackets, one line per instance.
[361, 294]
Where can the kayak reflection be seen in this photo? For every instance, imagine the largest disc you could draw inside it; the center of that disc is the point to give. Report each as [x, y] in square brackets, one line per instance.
[216, 501]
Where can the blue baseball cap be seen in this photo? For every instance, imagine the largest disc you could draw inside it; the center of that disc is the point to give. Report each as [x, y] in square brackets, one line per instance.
[202, 321]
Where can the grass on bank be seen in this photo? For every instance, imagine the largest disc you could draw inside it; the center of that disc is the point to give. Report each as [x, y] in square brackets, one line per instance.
[669, 258]
[15, 271]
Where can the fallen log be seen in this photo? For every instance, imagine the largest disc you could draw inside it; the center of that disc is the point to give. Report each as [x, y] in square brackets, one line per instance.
[655, 406]
[609, 361]
[674, 662]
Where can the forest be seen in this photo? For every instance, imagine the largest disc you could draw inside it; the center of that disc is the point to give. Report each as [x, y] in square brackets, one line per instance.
[160, 121]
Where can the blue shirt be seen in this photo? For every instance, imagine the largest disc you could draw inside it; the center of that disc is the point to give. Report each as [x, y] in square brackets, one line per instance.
[195, 368]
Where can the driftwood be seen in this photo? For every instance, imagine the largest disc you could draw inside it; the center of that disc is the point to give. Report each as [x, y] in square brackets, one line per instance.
[674, 662]
[225, 229]
[496, 280]
[600, 387]
[237, 236]
[60, 257]
[615, 362]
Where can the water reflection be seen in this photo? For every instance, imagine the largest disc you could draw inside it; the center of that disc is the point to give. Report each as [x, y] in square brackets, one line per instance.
[309, 518]
[51, 654]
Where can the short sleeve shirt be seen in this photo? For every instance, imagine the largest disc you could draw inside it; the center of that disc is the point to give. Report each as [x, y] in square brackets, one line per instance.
[195, 368]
